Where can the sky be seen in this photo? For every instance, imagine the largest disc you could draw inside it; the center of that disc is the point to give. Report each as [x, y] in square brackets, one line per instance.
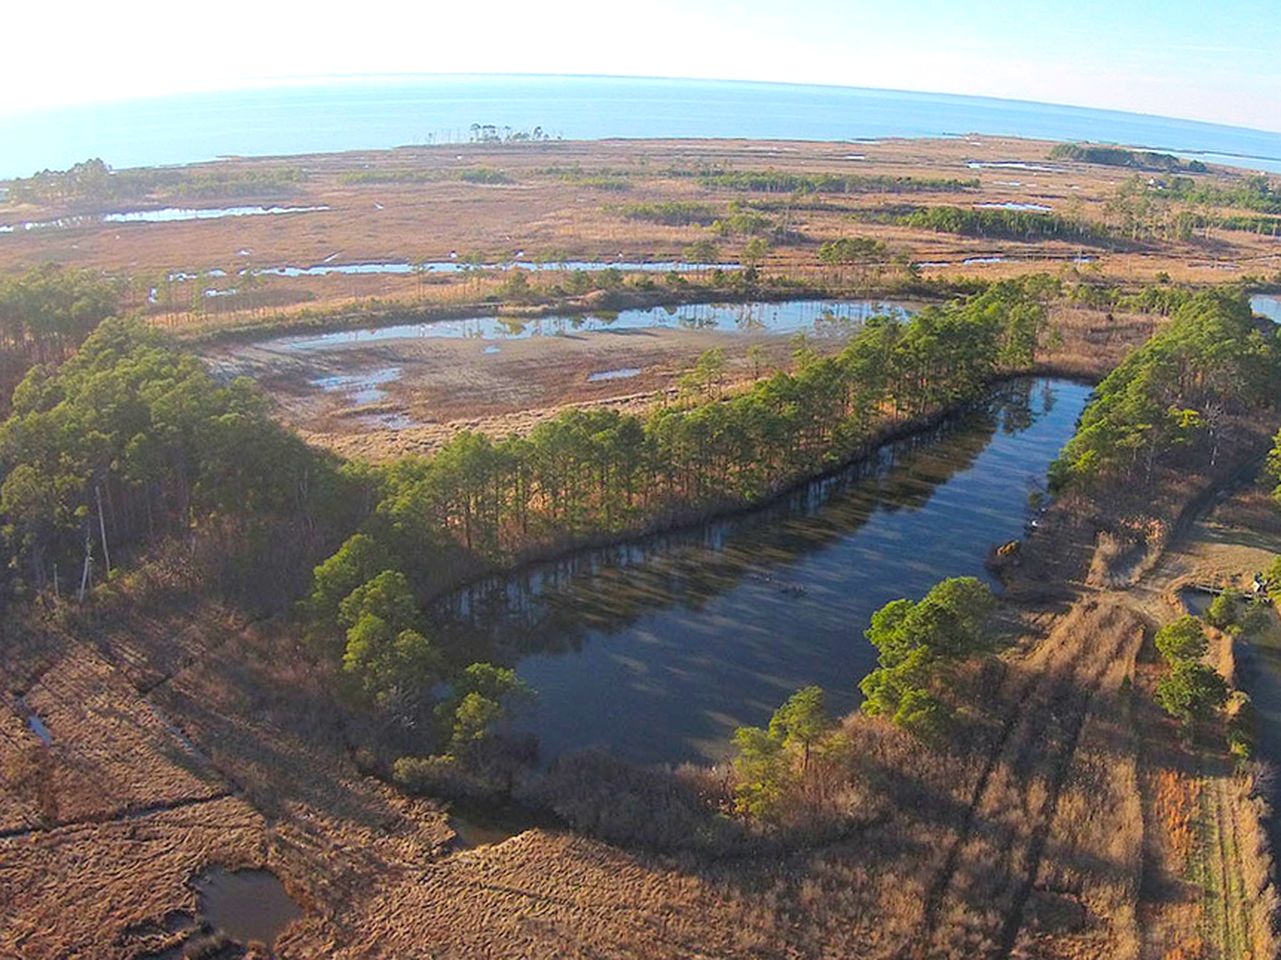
[1181, 58]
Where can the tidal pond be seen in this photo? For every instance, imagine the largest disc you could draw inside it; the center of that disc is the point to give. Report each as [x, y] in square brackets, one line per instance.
[820, 318]
[458, 266]
[656, 650]
[165, 215]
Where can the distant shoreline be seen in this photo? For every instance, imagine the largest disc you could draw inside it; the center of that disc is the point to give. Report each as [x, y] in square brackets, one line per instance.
[328, 117]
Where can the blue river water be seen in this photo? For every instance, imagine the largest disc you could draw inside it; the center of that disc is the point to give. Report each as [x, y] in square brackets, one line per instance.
[655, 650]
[333, 115]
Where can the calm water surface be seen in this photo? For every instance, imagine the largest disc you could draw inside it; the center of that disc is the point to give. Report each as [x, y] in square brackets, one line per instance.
[246, 904]
[657, 650]
[165, 215]
[1259, 675]
[819, 317]
[1267, 305]
[334, 115]
[457, 266]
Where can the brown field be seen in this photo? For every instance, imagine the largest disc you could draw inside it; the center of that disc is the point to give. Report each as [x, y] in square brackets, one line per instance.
[448, 386]
[551, 210]
[1066, 819]
[445, 386]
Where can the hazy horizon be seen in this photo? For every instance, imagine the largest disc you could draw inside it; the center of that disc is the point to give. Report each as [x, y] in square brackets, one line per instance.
[1167, 59]
[267, 85]
[331, 114]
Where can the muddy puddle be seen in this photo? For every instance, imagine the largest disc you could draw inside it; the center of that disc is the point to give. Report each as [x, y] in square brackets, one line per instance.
[34, 723]
[359, 389]
[245, 905]
[623, 373]
[1012, 205]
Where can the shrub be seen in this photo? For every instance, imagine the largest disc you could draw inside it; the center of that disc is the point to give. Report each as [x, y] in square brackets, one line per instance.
[765, 766]
[922, 714]
[1222, 612]
[439, 775]
[1191, 691]
[1184, 639]
[913, 637]
[387, 652]
[760, 772]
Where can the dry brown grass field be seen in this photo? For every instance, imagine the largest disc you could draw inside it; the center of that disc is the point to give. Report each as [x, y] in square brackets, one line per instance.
[444, 386]
[560, 201]
[554, 205]
[1066, 818]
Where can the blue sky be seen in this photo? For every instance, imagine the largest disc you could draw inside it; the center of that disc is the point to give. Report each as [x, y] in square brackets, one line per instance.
[1217, 62]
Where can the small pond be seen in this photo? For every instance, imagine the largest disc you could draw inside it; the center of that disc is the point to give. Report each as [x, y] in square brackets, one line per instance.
[1195, 600]
[246, 905]
[35, 724]
[166, 215]
[475, 831]
[1011, 205]
[1267, 305]
[836, 318]
[623, 373]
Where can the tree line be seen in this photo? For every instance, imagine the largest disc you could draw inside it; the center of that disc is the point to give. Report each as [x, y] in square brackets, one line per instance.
[1176, 394]
[47, 311]
[93, 182]
[1273, 473]
[130, 441]
[612, 179]
[1255, 192]
[473, 174]
[588, 475]
[736, 220]
[1013, 224]
[1182, 208]
[777, 181]
[673, 213]
[1121, 157]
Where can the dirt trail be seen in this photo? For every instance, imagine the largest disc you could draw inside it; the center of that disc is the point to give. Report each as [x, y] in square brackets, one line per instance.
[980, 899]
[983, 890]
[1228, 921]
